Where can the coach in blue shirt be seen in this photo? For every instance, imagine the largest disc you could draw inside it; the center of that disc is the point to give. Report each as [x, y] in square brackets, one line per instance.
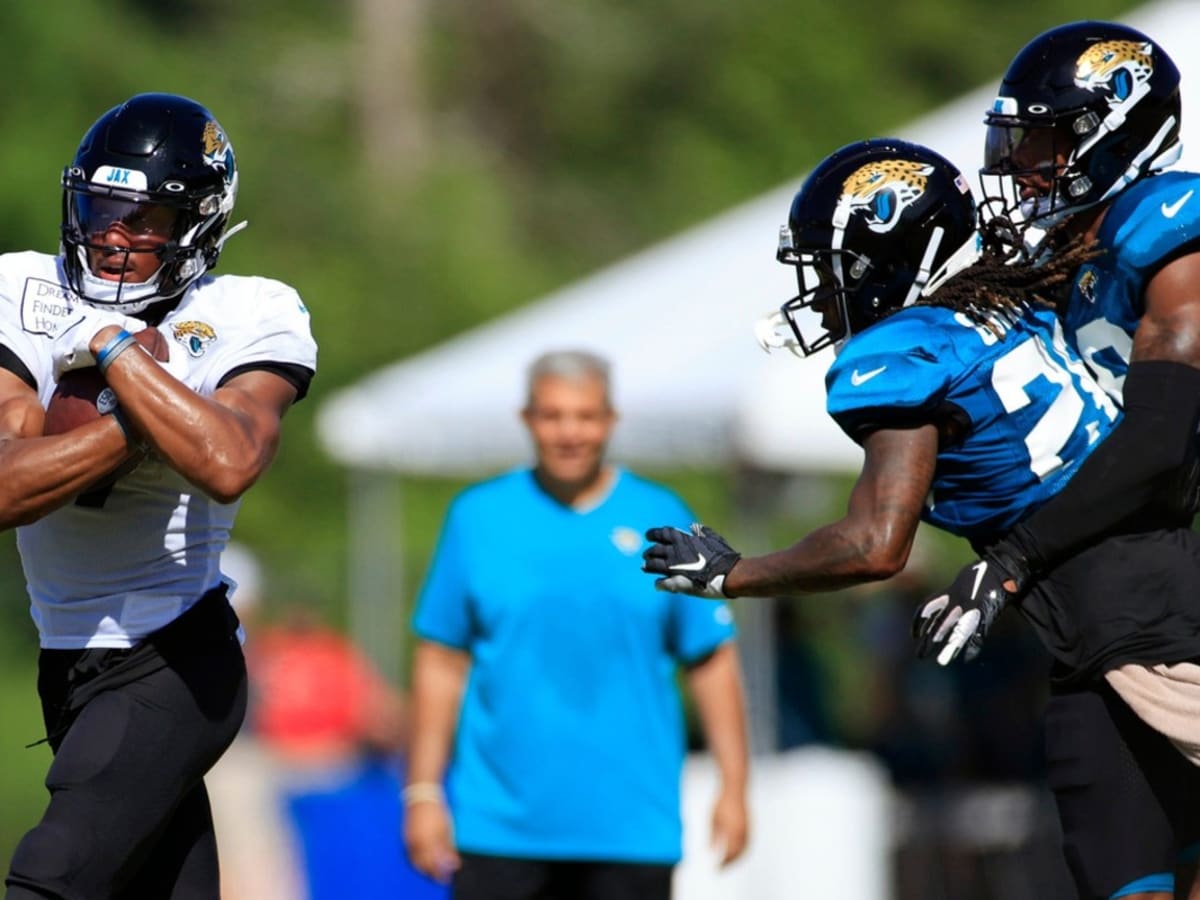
[549, 708]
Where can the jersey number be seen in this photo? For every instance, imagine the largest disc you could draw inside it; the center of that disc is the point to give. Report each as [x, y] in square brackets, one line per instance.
[1094, 339]
[1017, 370]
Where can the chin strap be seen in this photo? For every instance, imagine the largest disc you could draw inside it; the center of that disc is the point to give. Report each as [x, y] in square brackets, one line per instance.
[964, 257]
[230, 232]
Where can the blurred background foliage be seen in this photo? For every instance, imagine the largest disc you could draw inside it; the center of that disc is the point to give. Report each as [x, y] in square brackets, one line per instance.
[416, 168]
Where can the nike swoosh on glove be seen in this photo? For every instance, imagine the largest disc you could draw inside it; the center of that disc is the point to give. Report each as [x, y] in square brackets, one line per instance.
[958, 620]
[690, 562]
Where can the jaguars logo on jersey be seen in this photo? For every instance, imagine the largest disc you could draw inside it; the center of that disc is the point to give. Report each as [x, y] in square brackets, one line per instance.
[628, 540]
[1086, 284]
[882, 190]
[1122, 69]
[195, 336]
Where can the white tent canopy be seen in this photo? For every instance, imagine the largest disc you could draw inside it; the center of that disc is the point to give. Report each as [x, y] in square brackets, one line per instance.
[676, 321]
[676, 324]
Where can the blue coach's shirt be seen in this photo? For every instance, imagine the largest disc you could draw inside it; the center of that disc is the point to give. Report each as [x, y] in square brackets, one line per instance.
[1145, 227]
[571, 738]
[1026, 411]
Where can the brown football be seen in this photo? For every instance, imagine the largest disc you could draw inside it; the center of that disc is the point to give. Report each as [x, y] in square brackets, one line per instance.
[82, 395]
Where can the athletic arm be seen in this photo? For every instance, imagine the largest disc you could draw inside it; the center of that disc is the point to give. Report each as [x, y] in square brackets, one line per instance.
[222, 443]
[438, 679]
[716, 688]
[872, 541]
[43, 473]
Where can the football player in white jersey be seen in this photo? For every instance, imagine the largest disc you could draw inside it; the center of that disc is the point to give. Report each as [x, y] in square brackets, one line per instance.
[141, 675]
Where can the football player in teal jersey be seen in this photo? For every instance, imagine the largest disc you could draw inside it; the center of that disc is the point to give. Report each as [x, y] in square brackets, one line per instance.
[1080, 140]
[979, 407]
[973, 410]
[1086, 120]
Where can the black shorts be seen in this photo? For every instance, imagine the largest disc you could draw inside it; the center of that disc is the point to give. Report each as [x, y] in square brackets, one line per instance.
[134, 731]
[507, 878]
[1129, 598]
[1126, 796]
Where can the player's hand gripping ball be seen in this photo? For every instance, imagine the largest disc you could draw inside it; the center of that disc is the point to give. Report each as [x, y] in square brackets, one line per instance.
[82, 396]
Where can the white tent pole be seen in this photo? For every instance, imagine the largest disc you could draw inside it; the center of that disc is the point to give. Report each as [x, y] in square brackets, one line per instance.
[374, 582]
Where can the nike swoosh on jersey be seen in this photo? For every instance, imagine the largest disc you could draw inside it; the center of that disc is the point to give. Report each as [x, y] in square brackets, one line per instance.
[692, 566]
[1169, 211]
[857, 378]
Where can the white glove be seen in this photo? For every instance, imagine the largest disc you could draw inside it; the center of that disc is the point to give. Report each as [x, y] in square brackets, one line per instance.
[72, 347]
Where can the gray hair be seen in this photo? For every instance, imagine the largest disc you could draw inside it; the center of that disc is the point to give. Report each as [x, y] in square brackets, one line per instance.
[569, 365]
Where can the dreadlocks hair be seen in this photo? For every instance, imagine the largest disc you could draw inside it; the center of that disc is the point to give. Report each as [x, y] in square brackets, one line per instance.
[1008, 279]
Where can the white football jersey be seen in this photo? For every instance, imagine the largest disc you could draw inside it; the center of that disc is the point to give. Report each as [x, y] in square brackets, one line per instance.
[109, 574]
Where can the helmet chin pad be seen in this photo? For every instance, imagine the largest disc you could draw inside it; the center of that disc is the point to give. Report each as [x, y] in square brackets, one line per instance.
[122, 296]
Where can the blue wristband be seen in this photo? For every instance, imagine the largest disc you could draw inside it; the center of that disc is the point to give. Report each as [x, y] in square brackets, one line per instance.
[120, 342]
[119, 418]
[136, 444]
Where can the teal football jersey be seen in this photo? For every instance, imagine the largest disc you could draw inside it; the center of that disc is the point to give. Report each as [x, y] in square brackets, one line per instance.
[1027, 410]
[1148, 224]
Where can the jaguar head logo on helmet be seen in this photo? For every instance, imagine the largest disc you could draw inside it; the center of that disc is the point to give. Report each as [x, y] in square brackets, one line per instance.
[883, 190]
[1122, 68]
[217, 152]
[146, 202]
[1084, 110]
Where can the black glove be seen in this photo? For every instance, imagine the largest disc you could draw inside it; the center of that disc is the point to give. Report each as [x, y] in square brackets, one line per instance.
[959, 619]
[691, 562]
